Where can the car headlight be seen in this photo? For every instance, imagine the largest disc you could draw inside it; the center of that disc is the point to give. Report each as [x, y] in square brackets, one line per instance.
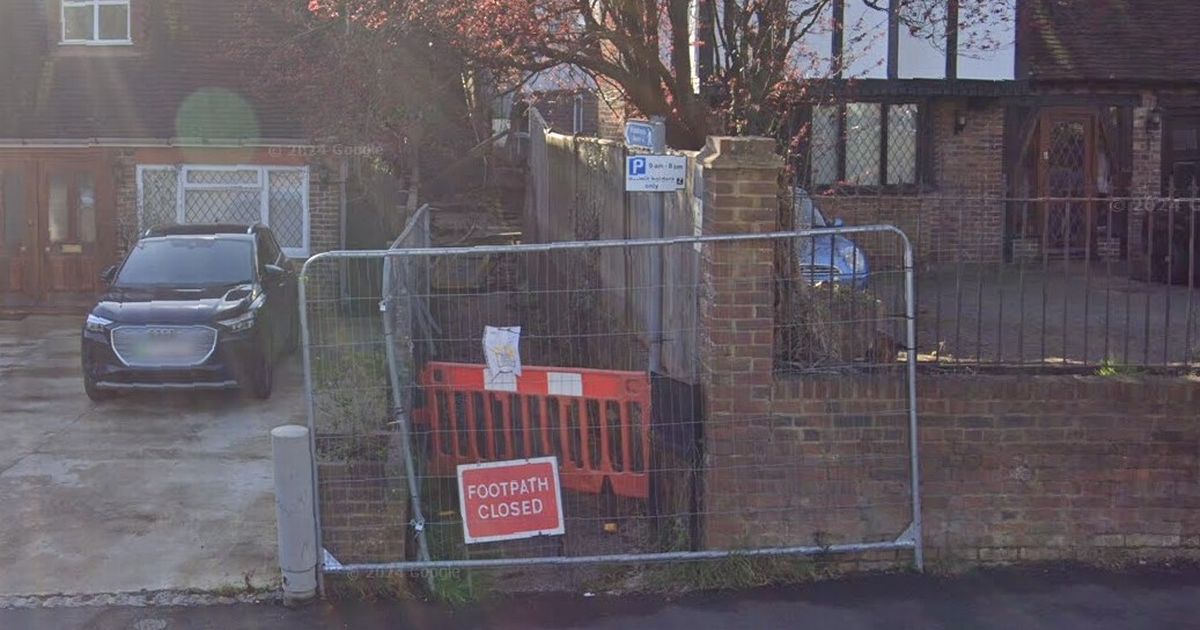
[95, 323]
[245, 321]
[856, 260]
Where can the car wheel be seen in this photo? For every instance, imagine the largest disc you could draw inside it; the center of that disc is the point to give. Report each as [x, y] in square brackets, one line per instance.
[93, 392]
[262, 377]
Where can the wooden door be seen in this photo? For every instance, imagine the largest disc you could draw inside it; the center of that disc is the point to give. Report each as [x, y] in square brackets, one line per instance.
[1067, 179]
[76, 229]
[20, 282]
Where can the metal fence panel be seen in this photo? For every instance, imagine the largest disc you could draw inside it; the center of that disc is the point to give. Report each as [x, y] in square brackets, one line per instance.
[387, 442]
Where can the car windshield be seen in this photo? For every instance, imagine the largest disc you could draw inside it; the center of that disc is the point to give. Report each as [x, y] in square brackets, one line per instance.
[199, 261]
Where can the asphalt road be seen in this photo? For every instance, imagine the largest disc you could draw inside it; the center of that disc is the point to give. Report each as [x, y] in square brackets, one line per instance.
[1063, 599]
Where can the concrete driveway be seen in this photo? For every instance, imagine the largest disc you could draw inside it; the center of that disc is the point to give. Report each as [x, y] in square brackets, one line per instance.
[148, 491]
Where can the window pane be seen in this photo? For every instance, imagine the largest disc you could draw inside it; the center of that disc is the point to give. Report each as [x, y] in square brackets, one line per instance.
[87, 208]
[114, 22]
[13, 207]
[77, 22]
[902, 144]
[222, 206]
[59, 226]
[233, 177]
[824, 155]
[287, 207]
[863, 143]
[159, 200]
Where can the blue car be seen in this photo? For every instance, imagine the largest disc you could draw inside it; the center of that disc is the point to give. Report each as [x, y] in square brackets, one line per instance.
[820, 259]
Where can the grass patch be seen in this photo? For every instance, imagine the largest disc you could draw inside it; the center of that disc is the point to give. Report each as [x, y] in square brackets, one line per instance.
[736, 572]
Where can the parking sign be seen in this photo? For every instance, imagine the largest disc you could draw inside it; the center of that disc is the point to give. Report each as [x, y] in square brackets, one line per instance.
[655, 173]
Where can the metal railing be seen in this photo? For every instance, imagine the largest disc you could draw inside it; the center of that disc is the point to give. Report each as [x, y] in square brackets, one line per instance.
[1086, 284]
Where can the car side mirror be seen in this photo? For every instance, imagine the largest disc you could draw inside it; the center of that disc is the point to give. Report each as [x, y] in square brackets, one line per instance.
[838, 222]
[109, 274]
[273, 273]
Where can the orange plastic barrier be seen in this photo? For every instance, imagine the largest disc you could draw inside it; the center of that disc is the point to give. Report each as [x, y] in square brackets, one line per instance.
[596, 421]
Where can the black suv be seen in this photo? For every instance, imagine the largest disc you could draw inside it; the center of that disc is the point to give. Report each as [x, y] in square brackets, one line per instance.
[193, 306]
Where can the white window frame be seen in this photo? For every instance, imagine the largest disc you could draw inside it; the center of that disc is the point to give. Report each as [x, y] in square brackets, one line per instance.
[263, 186]
[95, 40]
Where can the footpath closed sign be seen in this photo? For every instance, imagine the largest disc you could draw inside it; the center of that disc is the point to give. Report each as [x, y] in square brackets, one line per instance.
[513, 499]
[655, 173]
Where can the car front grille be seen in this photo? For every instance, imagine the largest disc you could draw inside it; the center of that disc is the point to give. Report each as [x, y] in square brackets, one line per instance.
[163, 346]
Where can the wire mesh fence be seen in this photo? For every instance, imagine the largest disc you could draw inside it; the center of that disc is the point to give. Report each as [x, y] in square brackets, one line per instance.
[724, 454]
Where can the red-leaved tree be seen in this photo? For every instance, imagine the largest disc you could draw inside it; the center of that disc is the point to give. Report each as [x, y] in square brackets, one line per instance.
[761, 58]
[761, 55]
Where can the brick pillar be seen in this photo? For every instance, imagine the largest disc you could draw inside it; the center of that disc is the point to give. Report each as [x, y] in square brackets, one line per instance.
[124, 170]
[737, 320]
[1147, 175]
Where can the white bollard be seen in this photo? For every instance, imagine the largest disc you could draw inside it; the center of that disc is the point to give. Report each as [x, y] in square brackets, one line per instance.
[296, 524]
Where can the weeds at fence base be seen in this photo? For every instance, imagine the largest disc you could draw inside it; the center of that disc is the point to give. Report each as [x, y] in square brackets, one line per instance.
[737, 572]
[460, 587]
[1108, 367]
[453, 587]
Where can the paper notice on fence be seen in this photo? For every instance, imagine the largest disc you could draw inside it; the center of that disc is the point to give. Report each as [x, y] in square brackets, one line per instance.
[502, 355]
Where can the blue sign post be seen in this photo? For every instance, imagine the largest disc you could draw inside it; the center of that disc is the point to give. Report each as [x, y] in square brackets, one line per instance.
[640, 134]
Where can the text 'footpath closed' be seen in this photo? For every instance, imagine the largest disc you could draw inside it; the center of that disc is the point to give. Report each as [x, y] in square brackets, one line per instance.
[510, 499]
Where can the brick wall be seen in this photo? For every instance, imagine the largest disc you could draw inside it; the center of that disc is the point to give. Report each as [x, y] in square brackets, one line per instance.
[364, 511]
[1014, 468]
